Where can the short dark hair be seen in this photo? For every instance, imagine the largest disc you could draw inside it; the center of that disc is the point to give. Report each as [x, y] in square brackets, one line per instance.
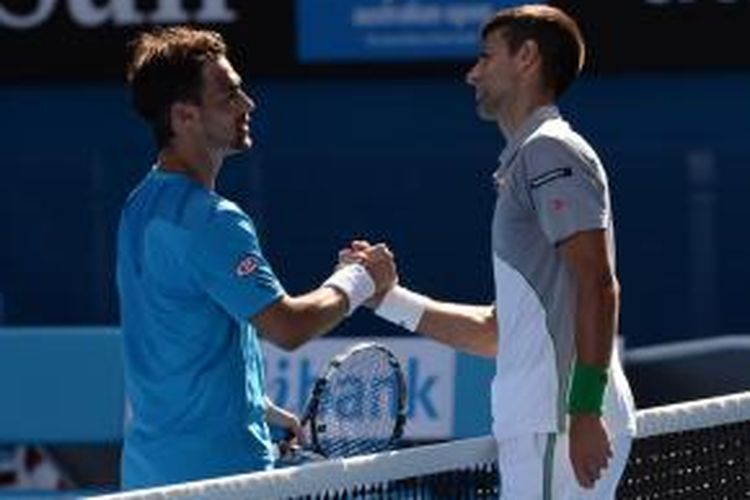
[560, 42]
[166, 66]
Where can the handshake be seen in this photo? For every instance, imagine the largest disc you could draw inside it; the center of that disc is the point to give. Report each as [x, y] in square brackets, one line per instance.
[372, 269]
[367, 275]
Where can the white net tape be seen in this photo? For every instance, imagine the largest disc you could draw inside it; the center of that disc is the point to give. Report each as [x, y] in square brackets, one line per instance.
[693, 415]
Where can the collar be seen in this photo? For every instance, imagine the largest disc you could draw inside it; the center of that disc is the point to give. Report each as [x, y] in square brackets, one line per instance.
[528, 127]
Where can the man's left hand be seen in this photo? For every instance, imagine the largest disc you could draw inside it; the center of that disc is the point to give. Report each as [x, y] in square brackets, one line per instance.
[590, 448]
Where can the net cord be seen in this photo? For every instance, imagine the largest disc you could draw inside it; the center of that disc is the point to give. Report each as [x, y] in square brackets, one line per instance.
[693, 415]
[329, 475]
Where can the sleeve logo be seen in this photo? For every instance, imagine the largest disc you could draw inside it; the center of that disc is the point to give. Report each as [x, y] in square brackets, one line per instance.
[550, 176]
[246, 266]
[557, 204]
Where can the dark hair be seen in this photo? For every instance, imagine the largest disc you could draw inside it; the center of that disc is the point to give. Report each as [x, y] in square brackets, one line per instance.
[560, 42]
[166, 66]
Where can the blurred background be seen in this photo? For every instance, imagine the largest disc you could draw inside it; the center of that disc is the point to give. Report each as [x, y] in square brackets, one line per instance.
[364, 128]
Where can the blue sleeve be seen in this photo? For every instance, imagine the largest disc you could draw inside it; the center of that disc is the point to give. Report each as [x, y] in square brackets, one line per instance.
[568, 191]
[228, 263]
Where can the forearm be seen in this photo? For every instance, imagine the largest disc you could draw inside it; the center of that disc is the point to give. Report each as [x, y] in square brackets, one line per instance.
[469, 328]
[598, 301]
[466, 327]
[597, 304]
[292, 321]
[275, 415]
[597, 309]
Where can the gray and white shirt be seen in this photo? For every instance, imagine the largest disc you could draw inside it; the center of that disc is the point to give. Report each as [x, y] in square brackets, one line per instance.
[550, 186]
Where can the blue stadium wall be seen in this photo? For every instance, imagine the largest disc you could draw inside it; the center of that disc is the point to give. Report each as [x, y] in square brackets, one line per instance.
[403, 160]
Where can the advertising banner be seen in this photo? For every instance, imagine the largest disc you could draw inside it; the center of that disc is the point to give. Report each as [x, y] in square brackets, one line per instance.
[429, 369]
[367, 30]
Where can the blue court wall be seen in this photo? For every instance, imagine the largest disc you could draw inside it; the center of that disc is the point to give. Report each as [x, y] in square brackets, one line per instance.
[403, 160]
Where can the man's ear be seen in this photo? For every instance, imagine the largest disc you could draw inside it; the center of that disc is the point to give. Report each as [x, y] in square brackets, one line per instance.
[528, 54]
[182, 115]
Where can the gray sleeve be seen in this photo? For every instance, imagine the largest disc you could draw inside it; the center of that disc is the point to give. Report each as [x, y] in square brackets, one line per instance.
[567, 190]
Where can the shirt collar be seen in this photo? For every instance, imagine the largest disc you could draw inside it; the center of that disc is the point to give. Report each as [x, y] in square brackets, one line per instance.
[528, 127]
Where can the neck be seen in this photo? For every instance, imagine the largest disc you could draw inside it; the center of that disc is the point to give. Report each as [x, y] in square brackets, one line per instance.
[200, 165]
[517, 110]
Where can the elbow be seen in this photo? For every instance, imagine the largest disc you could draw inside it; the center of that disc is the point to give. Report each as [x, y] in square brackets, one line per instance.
[488, 351]
[292, 336]
[491, 334]
[285, 339]
[288, 345]
[285, 324]
[601, 293]
[607, 295]
[613, 289]
[607, 287]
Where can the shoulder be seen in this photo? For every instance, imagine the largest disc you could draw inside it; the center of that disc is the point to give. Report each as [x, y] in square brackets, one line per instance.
[224, 209]
[556, 137]
[218, 220]
[212, 210]
[556, 145]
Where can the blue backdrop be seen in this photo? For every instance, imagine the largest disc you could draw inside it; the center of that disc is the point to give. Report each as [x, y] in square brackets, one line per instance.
[404, 160]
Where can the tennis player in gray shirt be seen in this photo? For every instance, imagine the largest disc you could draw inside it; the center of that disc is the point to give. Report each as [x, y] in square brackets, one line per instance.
[563, 413]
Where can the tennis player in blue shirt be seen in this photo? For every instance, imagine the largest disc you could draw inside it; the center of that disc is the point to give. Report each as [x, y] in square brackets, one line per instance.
[195, 290]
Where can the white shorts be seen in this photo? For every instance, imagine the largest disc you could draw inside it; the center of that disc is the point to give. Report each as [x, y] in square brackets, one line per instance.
[537, 467]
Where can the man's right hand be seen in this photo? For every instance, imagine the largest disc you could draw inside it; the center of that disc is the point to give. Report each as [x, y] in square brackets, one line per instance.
[377, 259]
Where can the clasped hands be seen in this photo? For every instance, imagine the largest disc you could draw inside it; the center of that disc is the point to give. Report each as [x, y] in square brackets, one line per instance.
[379, 262]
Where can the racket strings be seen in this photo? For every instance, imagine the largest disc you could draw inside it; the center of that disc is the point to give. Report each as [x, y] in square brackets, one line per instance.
[358, 411]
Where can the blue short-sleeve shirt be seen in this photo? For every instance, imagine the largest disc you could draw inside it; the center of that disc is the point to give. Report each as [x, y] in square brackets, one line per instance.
[191, 274]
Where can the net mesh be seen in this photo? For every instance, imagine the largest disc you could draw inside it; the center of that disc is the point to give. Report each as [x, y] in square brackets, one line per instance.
[695, 450]
[698, 450]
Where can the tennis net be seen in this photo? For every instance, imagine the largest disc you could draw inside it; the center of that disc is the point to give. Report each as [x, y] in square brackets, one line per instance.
[695, 450]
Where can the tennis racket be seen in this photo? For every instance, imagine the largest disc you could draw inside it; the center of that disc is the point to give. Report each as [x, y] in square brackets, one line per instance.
[357, 405]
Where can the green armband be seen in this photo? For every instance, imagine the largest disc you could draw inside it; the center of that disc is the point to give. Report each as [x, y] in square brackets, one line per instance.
[587, 389]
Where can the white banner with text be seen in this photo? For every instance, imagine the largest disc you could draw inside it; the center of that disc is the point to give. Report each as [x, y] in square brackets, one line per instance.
[429, 369]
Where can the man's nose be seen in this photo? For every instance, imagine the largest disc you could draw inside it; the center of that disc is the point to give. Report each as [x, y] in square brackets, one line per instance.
[471, 75]
[248, 102]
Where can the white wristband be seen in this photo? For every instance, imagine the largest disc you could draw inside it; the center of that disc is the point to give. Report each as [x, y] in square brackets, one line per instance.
[355, 282]
[403, 307]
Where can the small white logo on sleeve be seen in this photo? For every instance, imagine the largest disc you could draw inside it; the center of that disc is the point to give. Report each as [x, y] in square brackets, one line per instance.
[246, 266]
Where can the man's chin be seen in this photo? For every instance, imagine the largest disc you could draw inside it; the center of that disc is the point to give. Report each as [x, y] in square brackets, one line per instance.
[486, 114]
[241, 145]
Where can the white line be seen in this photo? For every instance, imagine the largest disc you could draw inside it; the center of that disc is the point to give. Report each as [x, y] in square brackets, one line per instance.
[676, 350]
